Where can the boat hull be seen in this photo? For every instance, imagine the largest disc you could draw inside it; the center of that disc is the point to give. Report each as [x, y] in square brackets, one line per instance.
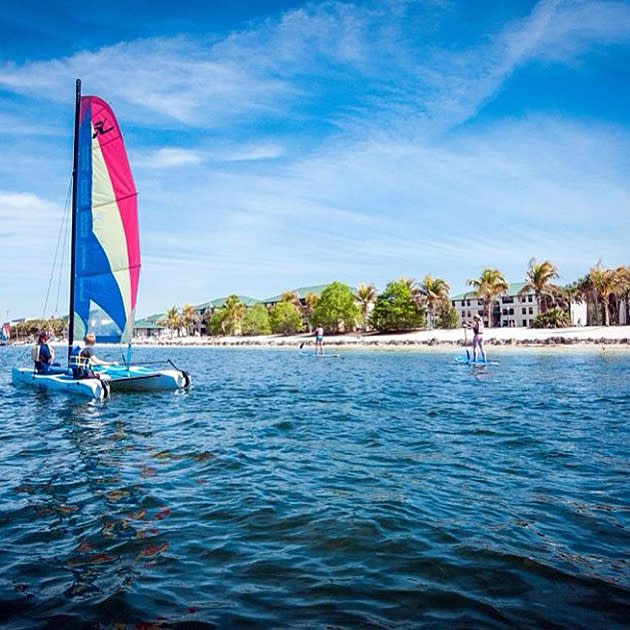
[89, 387]
[141, 379]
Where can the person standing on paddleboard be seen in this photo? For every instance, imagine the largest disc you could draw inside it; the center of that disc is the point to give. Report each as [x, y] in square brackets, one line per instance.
[477, 328]
[319, 340]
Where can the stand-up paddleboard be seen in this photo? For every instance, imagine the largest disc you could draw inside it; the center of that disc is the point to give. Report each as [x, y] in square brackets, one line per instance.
[467, 361]
[320, 356]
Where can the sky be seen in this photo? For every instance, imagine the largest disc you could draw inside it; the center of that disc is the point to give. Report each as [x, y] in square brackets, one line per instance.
[280, 144]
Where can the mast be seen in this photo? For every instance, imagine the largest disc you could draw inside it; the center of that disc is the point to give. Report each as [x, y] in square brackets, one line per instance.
[77, 111]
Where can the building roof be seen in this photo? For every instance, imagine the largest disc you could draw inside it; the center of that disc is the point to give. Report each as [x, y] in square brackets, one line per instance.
[301, 292]
[155, 318]
[219, 302]
[513, 291]
[147, 323]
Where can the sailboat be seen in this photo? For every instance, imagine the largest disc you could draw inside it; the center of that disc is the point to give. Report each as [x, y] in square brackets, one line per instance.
[105, 260]
[4, 335]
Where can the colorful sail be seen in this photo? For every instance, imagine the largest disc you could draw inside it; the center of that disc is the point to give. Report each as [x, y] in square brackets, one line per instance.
[5, 333]
[107, 248]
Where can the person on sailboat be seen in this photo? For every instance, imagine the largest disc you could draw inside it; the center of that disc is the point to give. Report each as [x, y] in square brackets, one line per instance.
[88, 351]
[477, 328]
[82, 360]
[43, 356]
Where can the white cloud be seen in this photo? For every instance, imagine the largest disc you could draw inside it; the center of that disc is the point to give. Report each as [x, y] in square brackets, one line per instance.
[170, 157]
[314, 148]
[270, 67]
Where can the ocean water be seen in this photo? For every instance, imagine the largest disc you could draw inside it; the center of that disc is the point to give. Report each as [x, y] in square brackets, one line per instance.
[376, 490]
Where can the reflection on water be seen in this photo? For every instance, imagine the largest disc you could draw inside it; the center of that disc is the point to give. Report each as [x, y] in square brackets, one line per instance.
[376, 490]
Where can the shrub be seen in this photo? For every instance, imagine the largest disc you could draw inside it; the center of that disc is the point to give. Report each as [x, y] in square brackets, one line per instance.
[336, 308]
[553, 318]
[256, 321]
[396, 309]
[285, 319]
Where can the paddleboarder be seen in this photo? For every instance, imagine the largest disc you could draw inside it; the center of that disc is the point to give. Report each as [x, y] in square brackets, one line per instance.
[319, 340]
[477, 328]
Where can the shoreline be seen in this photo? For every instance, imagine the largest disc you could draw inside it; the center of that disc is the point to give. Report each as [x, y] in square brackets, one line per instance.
[614, 337]
[582, 337]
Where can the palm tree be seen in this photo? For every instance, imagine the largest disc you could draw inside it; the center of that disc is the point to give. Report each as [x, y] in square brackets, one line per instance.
[189, 317]
[416, 292]
[490, 285]
[366, 294]
[291, 297]
[172, 321]
[622, 282]
[234, 312]
[604, 285]
[310, 299]
[538, 279]
[435, 292]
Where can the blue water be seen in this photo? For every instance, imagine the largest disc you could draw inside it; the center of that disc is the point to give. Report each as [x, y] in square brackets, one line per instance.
[377, 490]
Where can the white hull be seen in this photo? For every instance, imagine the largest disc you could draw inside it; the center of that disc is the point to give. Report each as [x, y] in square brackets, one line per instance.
[90, 387]
[141, 379]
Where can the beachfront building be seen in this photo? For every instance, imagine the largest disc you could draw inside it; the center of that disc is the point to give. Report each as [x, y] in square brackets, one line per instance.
[509, 309]
[148, 327]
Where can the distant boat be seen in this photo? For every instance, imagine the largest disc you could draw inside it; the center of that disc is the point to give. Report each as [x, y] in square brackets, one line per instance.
[105, 259]
[5, 335]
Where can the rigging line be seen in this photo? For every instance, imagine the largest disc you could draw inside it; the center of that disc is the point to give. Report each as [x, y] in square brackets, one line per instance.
[66, 219]
[52, 270]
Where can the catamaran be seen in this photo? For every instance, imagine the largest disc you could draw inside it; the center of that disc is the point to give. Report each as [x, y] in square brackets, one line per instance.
[104, 261]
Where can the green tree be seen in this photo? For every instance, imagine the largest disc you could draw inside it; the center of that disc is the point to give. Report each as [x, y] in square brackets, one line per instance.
[256, 321]
[285, 319]
[216, 322]
[488, 287]
[435, 292]
[446, 315]
[336, 309]
[397, 309]
[538, 279]
[366, 294]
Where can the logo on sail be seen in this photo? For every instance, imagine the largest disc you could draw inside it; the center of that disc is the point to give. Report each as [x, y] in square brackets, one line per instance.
[99, 128]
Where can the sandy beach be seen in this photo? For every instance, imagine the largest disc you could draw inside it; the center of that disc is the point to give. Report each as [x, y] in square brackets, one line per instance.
[618, 336]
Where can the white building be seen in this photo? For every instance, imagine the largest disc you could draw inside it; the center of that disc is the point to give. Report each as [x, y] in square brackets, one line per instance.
[509, 309]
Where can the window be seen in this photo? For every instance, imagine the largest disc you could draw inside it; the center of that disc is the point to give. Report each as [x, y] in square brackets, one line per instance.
[467, 302]
[524, 311]
[511, 311]
[531, 310]
[529, 298]
[524, 322]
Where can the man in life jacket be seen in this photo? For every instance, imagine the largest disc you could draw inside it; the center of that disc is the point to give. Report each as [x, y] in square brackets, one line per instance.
[43, 356]
[82, 360]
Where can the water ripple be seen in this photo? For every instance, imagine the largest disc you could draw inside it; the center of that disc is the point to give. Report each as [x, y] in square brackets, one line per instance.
[381, 490]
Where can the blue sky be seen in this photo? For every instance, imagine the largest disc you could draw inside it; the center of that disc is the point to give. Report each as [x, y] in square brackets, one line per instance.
[279, 144]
